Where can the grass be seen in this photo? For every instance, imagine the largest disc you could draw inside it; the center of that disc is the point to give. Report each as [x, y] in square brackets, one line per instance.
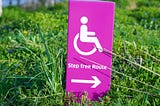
[33, 57]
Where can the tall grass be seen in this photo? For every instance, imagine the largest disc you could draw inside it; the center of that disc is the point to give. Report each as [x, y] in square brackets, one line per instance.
[33, 58]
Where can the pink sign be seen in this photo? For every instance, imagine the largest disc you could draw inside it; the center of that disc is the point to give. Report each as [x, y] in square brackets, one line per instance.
[90, 30]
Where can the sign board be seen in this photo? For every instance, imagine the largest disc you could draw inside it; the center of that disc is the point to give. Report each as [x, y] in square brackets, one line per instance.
[90, 30]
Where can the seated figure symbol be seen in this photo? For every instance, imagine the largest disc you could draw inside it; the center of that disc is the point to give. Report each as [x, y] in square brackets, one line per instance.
[86, 36]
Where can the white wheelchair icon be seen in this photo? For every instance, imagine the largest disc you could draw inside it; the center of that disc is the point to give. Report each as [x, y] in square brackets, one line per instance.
[86, 36]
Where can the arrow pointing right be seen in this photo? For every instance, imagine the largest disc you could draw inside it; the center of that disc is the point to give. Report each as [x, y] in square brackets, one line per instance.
[95, 81]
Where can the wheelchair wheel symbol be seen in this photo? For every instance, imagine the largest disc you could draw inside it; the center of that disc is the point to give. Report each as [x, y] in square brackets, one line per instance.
[79, 51]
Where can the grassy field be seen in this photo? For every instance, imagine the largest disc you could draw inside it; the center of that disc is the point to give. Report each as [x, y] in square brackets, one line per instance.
[33, 56]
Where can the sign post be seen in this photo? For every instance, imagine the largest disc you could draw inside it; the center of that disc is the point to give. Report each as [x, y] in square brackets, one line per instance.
[90, 30]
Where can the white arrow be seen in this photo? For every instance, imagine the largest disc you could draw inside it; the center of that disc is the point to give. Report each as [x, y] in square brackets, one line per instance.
[95, 81]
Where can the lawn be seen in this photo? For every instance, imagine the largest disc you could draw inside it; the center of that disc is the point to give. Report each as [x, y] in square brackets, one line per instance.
[33, 53]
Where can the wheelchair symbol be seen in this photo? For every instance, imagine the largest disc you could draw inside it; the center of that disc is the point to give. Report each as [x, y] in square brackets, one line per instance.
[86, 36]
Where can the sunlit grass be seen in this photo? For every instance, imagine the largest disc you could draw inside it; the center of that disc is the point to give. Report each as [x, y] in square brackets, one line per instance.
[33, 59]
